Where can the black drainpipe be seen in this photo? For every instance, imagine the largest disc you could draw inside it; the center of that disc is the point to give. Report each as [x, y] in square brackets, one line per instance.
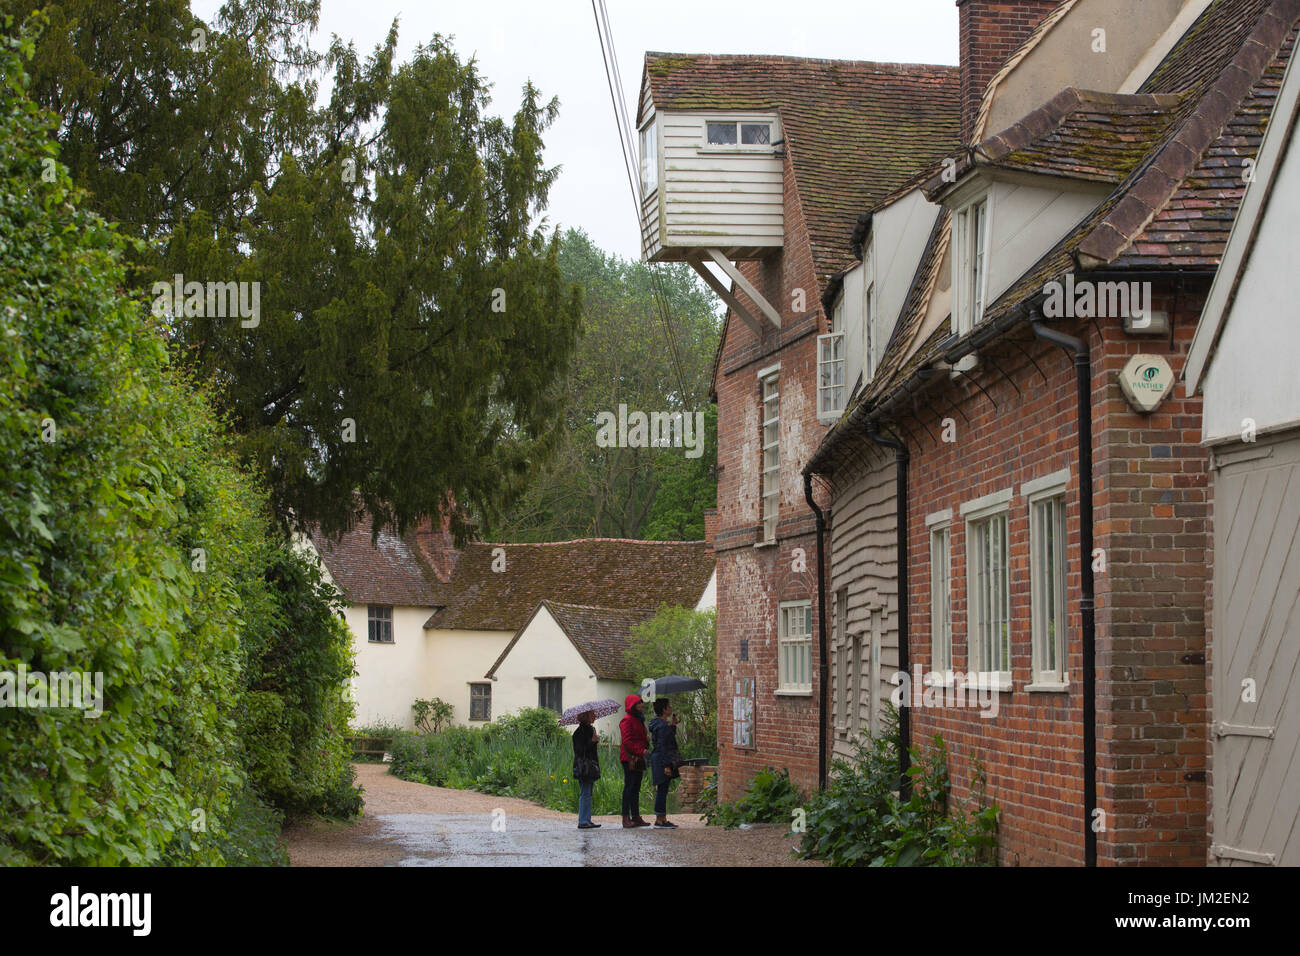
[1087, 601]
[823, 654]
[901, 459]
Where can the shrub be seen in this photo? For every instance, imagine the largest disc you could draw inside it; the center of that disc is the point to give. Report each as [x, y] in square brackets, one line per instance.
[679, 640]
[861, 820]
[537, 724]
[432, 715]
[769, 798]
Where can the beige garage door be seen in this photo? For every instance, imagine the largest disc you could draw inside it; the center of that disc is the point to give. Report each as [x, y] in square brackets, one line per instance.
[1255, 736]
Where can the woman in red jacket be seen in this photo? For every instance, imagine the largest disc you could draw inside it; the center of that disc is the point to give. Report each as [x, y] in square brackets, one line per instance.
[631, 754]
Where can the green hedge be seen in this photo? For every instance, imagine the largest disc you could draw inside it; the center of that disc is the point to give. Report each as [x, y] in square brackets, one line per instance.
[133, 546]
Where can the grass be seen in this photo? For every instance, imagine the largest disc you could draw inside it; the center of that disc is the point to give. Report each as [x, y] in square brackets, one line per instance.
[524, 757]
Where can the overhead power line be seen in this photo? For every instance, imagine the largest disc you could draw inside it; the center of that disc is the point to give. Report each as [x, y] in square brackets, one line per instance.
[627, 145]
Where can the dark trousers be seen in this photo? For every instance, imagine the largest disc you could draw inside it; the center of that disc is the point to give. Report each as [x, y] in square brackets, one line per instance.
[661, 797]
[631, 791]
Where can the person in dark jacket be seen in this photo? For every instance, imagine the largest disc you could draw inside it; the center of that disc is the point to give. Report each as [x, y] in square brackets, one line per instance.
[632, 754]
[586, 767]
[665, 759]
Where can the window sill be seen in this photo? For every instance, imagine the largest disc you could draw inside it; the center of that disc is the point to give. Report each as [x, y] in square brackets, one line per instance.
[1048, 687]
[1001, 683]
[765, 544]
[794, 693]
[830, 418]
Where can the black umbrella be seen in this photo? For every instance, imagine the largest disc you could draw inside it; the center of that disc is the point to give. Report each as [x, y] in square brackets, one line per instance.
[673, 684]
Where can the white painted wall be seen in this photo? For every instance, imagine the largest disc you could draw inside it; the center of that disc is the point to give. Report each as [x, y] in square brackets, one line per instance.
[1026, 220]
[709, 599]
[1253, 373]
[1065, 57]
[389, 676]
[456, 659]
[544, 650]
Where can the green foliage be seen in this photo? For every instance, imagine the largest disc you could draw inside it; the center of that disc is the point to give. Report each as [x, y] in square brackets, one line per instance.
[526, 755]
[432, 715]
[623, 357]
[679, 640]
[860, 819]
[133, 547]
[403, 285]
[769, 798]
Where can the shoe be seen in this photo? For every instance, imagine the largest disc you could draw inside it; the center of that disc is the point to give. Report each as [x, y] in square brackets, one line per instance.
[638, 822]
[628, 824]
[661, 823]
[588, 826]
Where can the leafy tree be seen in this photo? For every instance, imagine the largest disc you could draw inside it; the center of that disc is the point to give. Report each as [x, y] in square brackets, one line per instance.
[679, 640]
[413, 326]
[624, 358]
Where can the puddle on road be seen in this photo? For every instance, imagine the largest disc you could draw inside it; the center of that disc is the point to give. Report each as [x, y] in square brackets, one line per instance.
[463, 839]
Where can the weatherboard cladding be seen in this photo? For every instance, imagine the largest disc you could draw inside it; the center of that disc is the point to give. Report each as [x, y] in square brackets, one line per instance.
[592, 572]
[854, 130]
[601, 635]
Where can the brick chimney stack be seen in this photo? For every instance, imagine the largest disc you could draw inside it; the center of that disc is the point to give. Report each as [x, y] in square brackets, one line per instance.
[991, 31]
[710, 526]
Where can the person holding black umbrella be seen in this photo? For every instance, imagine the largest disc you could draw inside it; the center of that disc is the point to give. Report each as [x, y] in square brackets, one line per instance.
[665, 759]
[632, 751]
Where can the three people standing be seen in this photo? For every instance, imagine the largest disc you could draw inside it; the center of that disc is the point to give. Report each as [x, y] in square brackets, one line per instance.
[634, 752]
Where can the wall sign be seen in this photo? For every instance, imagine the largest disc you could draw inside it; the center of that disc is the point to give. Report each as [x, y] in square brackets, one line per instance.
[1146, 381]
[742, 714]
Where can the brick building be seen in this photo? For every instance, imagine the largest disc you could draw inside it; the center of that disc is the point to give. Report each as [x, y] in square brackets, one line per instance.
[760, 166]
[1050, 467]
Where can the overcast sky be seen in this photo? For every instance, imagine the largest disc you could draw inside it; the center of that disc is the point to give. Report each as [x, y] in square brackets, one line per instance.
[554, 43]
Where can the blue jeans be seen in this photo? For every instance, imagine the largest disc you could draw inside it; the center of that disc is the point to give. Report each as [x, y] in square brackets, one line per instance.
[661, 797]
[584, 800]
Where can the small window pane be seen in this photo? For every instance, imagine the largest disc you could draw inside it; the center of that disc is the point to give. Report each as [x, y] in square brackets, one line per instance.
[722, 134]
[480, 701]
[755, 134]
[380, 623]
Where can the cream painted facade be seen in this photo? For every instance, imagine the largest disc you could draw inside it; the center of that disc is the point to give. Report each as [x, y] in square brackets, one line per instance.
[460, 658]
[544, 650]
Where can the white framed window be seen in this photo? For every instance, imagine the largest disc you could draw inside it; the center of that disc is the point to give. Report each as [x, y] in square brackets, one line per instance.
[771, 477]
[970, 231]
[794, 647]
[379, 623]
[649, 158]
[988, 589]
[941, 598]
[1048, 568]
[738, 133]
[830, 375]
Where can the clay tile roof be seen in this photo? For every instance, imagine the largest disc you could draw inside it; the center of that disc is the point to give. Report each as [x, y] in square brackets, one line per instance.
[390, 569]
[592, 572]
[601, 635]
[1179, 210]
[854, 130]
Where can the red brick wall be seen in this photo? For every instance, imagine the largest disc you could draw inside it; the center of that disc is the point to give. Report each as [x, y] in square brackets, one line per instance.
[991, 31]
[753, 581]
[1150, 505]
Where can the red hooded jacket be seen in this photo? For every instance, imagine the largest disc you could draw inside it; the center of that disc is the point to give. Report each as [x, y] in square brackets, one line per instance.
[635, 741]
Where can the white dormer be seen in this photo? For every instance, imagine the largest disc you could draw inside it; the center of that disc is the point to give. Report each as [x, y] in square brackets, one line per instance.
[871, 299]
[1002, 223]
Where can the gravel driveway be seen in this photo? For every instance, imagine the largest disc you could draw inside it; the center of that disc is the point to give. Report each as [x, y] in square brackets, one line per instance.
[410, 824]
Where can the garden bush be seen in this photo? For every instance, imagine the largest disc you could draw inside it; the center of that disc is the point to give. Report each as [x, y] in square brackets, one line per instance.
[769, 798]
[861, 820]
